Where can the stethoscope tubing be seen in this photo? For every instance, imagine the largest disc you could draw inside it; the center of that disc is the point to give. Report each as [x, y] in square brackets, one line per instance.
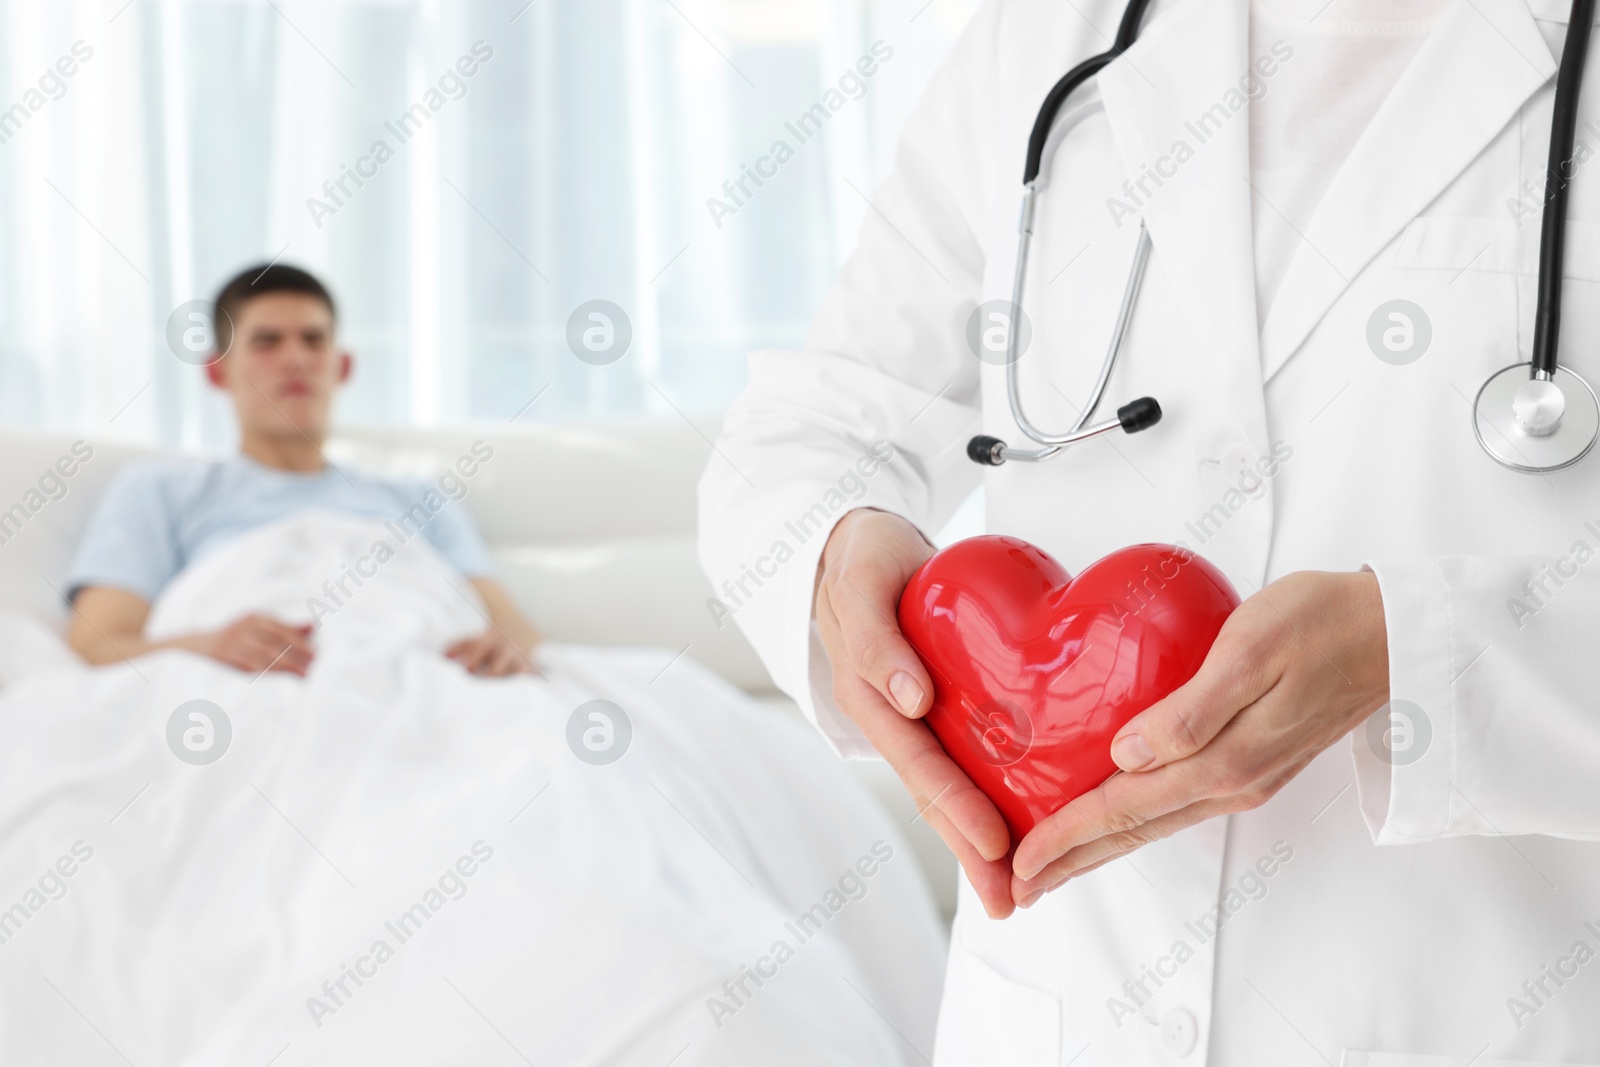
[1127, 31]
[1553, 223]
[1542, 367]
[1130, 296]
[1039, 141]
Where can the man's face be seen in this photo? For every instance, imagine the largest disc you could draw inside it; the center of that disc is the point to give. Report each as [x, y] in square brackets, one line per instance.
[282, 367]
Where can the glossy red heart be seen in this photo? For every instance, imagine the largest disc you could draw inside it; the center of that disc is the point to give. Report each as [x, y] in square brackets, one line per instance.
[1035, 671]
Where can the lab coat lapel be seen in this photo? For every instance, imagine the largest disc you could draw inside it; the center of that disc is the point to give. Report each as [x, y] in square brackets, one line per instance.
[1175, 110]
[1481, 64]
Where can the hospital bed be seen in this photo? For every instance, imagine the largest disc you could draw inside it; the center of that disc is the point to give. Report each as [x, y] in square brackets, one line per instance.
[591, 524]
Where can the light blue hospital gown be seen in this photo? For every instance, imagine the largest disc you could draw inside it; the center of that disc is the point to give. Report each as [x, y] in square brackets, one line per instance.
[160, 515]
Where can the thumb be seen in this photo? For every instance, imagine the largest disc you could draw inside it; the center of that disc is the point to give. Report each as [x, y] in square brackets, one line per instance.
[1178, 725]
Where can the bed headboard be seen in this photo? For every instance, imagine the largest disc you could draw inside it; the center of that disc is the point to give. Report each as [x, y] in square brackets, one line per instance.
[593, 524]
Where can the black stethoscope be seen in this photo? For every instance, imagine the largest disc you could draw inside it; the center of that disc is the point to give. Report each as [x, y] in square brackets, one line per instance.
[1532, 417]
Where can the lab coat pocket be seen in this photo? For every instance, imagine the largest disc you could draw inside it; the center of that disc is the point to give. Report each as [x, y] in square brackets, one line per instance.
[1494, 245]
[1354, 1058]
[987, 1020]
[1484, 270]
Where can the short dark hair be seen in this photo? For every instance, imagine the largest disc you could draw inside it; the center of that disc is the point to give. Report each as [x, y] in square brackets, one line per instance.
[259, 280]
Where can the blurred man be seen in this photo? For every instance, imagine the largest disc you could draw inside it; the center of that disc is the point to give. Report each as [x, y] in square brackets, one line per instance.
[278, 359]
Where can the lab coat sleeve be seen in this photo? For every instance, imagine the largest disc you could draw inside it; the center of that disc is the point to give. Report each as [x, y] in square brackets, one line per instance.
[1495, 699]
[885, 365]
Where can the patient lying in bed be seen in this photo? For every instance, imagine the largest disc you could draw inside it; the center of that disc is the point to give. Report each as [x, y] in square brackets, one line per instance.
[278, 360]
[376, 857]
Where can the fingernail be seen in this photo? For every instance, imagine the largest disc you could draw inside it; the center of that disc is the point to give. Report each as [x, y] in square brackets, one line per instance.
[1131, 751]
[1033, 898]
[906, 692]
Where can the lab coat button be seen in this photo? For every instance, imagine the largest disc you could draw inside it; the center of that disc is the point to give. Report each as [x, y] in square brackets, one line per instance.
[1237, 461]
[1178, 1032]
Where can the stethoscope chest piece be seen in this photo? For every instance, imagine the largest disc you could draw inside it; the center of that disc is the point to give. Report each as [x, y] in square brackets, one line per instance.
[1533, 424]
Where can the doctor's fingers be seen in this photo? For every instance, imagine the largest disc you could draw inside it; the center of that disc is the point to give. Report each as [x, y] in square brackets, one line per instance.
[990, 879]
[857, 606]
[1234, 774]
[1123, 804]
[1237, 671]
[1096, 854]
[932, 778]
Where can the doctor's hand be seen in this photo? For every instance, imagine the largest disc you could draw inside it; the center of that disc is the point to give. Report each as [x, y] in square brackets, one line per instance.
[1294, 669]
[880, 683]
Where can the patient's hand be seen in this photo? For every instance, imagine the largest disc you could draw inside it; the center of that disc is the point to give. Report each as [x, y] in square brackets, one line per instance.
[256, 643]
[491, 654]
[504, 647]
[108, 627]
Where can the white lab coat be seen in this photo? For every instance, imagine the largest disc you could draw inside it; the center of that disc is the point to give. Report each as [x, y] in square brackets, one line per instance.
[1411, 908]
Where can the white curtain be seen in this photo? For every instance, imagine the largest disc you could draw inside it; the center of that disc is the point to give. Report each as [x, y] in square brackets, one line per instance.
[192, 138]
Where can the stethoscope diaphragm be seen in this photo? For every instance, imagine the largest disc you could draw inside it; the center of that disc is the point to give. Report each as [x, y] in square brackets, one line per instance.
[1535, 425]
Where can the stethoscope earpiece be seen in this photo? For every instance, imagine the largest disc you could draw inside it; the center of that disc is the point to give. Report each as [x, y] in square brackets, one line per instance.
[1132, 417]
[1139, 414]
[986, 450]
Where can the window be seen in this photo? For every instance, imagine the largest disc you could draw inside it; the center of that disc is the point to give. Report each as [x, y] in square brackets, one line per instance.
[598, 150]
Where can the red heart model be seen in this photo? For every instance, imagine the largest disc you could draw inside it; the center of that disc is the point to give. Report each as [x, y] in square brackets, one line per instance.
[1035, 671]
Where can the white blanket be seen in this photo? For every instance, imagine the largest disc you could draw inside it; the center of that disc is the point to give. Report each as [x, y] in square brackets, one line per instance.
[394, 862]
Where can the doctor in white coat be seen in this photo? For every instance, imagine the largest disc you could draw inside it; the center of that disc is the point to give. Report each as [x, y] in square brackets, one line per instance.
[1365, 833]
